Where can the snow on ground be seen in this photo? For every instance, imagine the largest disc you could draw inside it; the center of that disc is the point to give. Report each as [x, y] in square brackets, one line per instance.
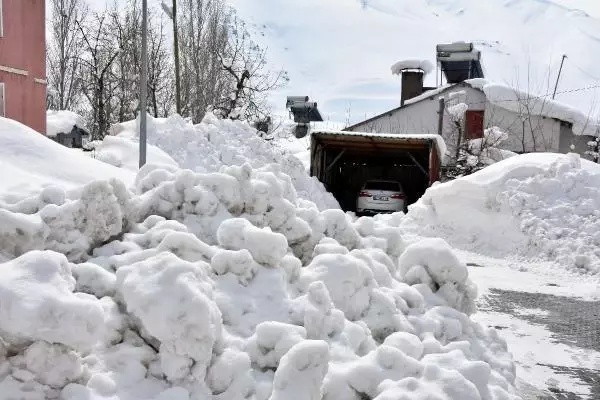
[539, 206]
[228, 285]
[62, 121]
[29, 161]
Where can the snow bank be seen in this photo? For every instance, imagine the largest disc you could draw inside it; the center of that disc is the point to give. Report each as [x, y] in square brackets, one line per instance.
[425, 65]
[514, 100]
[125, 153]
[228, 285]
[63, 121]
[535, 205]
[30, 162]
[214, 144]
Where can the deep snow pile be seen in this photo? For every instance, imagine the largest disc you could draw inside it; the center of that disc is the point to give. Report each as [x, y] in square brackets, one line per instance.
[29, 161]
[215, 143]
[534, 205]
[228, 286]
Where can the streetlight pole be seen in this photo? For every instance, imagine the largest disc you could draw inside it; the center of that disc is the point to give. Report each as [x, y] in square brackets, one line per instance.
[176, 51]
[144, 83]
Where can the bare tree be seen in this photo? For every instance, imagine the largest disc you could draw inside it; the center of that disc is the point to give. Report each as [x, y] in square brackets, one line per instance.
[64, 52]
[100, 52]
[245, 63]
[203, 35]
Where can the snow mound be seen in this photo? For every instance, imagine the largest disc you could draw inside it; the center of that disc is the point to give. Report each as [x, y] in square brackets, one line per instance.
[228, 285]
[425, 65]
[216, 143]
[125, 153]
[63, 121]
[535, 205]
[29, 162]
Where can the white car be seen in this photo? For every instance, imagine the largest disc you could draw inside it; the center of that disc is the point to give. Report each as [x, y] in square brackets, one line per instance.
[380, 196]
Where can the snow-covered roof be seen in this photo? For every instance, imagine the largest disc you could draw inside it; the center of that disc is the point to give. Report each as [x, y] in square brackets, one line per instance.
[439, 141]
[63, 121]
[514, 100]
[425, 65]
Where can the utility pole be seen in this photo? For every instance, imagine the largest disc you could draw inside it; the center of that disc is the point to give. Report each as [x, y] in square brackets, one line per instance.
[144, 83]
[176, 50]
[172, 13]
[558, 77]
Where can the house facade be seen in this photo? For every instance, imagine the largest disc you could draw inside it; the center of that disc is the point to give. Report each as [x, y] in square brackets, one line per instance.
[23, 62]
[533, 124]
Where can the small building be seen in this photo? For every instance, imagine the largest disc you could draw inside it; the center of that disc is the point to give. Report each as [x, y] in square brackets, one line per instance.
[344, 161]
[23, 62]
[67, 128]
[533, 123]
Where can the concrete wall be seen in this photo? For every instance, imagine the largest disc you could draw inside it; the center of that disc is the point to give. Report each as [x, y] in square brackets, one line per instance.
[23, 61]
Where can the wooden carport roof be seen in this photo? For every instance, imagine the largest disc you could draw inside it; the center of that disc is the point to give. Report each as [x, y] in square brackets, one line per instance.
[378, 142]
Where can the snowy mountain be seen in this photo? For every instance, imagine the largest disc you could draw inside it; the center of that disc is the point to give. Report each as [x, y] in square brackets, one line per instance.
[340, 52]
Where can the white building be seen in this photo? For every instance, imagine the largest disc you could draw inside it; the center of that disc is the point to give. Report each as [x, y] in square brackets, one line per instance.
[533, 124]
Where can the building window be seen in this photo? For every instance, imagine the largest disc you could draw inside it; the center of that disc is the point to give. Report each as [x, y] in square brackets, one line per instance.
[474, 124]
[2, 99]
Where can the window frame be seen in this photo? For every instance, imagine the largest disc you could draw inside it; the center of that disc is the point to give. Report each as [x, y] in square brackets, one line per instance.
[2, 99]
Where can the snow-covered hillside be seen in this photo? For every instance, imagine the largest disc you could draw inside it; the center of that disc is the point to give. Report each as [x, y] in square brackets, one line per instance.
[340, 53]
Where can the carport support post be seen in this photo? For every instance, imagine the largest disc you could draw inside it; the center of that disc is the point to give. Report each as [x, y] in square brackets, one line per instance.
[441, 116]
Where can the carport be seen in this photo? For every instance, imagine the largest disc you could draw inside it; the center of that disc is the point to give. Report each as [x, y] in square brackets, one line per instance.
[344, 161]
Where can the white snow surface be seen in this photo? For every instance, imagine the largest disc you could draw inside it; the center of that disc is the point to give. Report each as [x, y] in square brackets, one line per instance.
[210, 146]
[540, 206]
[227, 285]
[63, 121]
[424, 65]
[30, 162]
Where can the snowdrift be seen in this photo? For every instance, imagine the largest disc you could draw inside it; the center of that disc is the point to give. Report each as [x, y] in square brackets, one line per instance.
[29, 161]
[227, 285]
[535, 205]
[211, 145]
[63, 121]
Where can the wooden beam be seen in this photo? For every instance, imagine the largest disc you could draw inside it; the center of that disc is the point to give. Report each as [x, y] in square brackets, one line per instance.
[417, 164]
[335, 160]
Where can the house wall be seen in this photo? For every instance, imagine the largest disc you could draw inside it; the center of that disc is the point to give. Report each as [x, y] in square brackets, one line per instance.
[579, 142]
[23, 61]
[549, 135]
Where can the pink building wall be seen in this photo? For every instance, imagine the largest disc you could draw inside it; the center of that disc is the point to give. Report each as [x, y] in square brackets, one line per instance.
[23, 61]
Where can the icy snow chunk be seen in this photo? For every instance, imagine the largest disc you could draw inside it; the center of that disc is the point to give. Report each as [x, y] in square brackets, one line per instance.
[265, 246]
[240, 263]
[271, 341]
[229, 376]
[316, 313]
[53, 364]
[406, 342]
[37, 302]
[432, 262]
[93, 279]
[173, 299]
[348, 280]
[301, 371]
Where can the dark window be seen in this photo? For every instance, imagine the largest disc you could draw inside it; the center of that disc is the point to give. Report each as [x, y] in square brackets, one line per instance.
[379, 185]
[474, 124]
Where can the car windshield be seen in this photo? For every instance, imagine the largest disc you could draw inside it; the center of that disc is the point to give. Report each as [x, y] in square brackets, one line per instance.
[383, 185]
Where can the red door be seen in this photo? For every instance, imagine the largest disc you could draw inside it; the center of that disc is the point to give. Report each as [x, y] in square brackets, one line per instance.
[474, 124]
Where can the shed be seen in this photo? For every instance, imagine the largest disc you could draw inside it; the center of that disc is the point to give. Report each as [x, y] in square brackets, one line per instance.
[344, 161]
